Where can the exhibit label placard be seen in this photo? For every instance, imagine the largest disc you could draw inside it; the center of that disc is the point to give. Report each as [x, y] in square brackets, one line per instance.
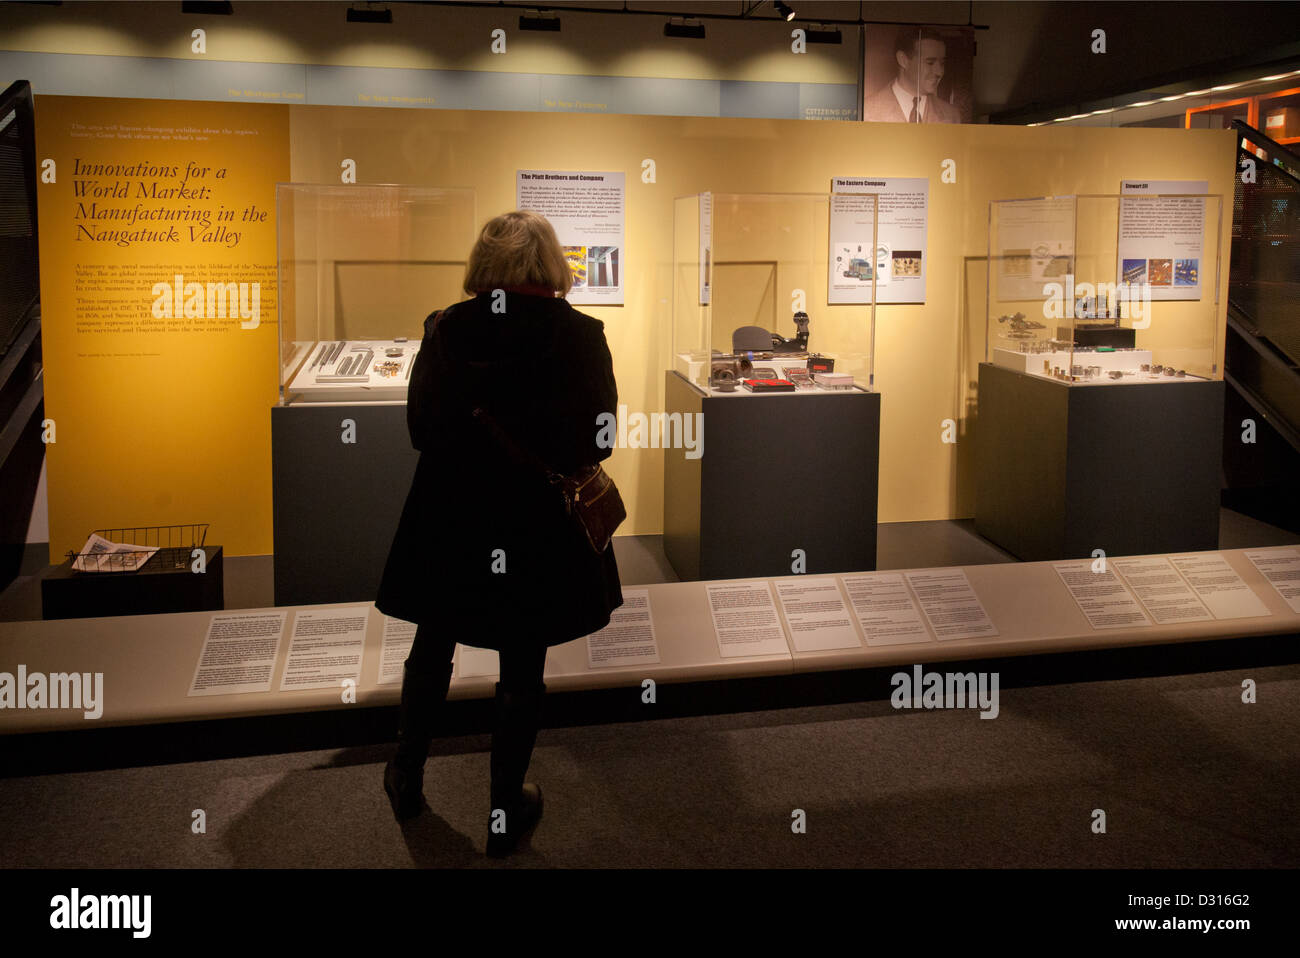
[899, 239]
[1101, 596]
[706, 247]
[1031, 244]
[1162, 590]
[473, 661]
[587, 210]
[950, 604]
[745, 621]
[399, 636]
[885, 609]
[815, 611]
[238, 653]
[1224, 592]
[325, 649]
[1161, 236]
[1281, 567]
[629, 638]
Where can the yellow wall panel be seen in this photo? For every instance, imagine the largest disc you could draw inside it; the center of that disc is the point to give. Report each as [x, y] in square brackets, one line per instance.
[185, 433]
[158, 421]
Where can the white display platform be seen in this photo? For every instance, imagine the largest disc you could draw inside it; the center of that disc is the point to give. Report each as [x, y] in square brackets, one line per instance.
[1127, 361]
[336, 381]
[148, 661]
[693, 370]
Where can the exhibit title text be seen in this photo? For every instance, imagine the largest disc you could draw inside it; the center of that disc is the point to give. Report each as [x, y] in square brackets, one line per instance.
[124, 204]
[562, 176]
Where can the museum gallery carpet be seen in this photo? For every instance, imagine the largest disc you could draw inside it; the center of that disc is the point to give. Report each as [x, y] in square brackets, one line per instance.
[1187, 774]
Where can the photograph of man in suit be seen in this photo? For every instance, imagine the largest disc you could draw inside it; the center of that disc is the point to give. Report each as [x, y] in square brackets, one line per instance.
[912, 95]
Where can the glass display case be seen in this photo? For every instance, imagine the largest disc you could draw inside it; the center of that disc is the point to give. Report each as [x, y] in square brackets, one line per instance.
[1106, 290]
[775, 292]
[360, 267]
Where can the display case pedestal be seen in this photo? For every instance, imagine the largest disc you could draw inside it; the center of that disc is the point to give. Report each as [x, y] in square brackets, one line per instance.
[336, 504]
[1132, 469]
[778, 473]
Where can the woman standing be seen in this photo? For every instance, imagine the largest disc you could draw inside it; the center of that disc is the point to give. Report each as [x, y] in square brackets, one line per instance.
[484, 553]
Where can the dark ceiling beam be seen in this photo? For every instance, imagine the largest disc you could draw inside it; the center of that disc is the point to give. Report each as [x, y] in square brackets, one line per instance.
[1246, 66]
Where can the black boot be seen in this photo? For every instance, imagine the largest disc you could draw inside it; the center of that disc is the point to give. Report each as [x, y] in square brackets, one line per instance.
[423, 695]
[516, 807]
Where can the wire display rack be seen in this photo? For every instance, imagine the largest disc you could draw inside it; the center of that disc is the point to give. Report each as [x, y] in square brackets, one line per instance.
[157, 547]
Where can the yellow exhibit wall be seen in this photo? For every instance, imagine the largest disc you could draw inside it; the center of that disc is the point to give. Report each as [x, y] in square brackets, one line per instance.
[923, 366]
[159, 396]
[925, 354]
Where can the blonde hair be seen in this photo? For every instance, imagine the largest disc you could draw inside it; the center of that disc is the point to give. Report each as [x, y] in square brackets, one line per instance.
[517, 249]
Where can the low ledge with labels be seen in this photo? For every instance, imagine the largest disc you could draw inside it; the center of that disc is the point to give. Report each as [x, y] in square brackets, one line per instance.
[137, 670]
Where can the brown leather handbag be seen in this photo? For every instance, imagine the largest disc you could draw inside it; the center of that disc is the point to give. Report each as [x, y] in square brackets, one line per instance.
[589, 497]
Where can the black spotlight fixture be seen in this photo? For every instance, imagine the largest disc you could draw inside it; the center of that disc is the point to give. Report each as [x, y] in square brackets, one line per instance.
[684, 27]
[540, 20]
[820, 33]
[370, 14]
[207, 8]
[784, 9]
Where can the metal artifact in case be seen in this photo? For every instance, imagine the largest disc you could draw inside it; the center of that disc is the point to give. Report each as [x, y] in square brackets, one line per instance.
[1105, 289]
[360, 269]
[751, 273]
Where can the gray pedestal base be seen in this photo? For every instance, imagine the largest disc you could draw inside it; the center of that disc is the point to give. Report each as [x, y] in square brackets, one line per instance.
[336, 504]
[778, 473]
[1130, 469]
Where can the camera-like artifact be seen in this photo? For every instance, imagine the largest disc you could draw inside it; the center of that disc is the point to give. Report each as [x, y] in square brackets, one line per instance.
[799, 344]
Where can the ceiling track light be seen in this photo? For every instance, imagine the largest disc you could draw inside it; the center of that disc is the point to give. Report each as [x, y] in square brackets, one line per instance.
[785, 10]
[820, 33]
[540, 20]
[370, 13]
[684, 27]
[208, 8]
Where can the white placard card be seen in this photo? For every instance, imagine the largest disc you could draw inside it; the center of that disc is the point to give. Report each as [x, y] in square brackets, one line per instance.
[398, 637]
[885, 609]
[587, 210]
[1101, 596]
[816, 614]
[629, 639]
[950, 604]
[325, 648]
[238, 653]
[745, 620]
[1281, 567]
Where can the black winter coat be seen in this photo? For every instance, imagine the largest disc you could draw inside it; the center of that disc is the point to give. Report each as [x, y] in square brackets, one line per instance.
[543, 371]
